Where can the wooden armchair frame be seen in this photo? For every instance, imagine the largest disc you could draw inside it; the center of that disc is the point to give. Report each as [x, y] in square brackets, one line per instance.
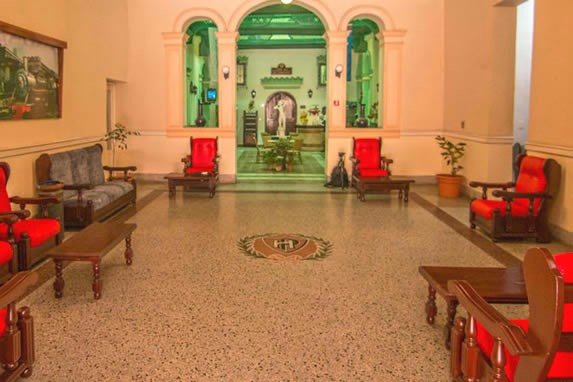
[188, 159]
[534, 225]
[28, 256]
[17, 353]
[547, 294]
[384, 162]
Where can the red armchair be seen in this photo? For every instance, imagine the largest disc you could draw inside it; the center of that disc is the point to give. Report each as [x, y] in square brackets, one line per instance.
[203, 161]
[17, 354]
[524, 211]
[489, 347]
[366, 158]
[33, 237]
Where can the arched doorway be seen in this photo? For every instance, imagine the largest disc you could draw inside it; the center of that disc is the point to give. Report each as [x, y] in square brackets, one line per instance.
[280, 54]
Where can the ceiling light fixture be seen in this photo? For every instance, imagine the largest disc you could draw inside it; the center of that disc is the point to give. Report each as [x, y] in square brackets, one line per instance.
[226, 71]
[253, 93]
[309, 93]
[286, 1]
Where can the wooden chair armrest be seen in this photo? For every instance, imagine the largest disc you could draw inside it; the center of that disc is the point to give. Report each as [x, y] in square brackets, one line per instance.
[8, 218]
[387, 160]
[512, 335]
[39, 200]
[484, 186]
[186, 159]
[355, 161]
[78, 187]
[510, 195]
[15, 288]
[21, 214]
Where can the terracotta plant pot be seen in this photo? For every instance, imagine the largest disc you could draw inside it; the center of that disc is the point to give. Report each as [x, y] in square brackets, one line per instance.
[449, 185]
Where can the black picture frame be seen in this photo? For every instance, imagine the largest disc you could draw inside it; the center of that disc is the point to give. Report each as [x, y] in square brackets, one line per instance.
[241, 74]
[32, 72]
[322, 74]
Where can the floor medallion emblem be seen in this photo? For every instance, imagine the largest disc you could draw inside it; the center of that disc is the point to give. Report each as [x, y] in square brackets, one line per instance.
[280, 246]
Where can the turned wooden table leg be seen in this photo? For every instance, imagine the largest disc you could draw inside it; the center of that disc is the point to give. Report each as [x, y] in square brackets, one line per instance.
[59, 282]
[97, 284]
[171, 186]
[128, 250]
[400, 194]
[406, 193]
[431, 308]
[452, 307]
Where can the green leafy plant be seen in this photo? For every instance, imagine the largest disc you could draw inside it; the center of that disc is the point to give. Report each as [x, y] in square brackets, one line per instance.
[452, 153]
[118, 138]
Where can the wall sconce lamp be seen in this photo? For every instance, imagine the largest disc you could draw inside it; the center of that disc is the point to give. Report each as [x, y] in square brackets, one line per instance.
[286, 1]
[309, 92]
[226, 71]
[338, 70]
[253, 93]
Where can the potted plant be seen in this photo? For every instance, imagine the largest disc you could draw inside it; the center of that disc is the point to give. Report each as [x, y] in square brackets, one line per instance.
[449, 184]
[118, 138]
[269, 156]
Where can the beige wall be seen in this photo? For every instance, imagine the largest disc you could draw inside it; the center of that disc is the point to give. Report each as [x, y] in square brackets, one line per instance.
[550, 129]
[95, 31]
[452, 61]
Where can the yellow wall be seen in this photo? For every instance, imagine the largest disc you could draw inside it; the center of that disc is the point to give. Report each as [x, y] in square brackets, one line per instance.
[550, 129]
[96, 34]
[452, 59]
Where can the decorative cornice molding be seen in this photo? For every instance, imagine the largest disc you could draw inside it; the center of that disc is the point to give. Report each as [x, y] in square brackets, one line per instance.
[43, 147]
[562, 151]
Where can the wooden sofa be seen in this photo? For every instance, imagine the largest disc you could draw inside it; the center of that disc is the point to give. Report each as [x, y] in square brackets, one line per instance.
[88, 197]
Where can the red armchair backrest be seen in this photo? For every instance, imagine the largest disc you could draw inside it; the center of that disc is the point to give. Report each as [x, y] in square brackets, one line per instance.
[203, 151]
[367, 150]
[531, 178]
[4, 175]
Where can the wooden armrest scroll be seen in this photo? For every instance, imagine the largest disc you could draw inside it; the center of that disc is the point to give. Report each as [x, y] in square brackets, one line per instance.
[40, 200]
[21, 214]
[512, 335]
[15, 288]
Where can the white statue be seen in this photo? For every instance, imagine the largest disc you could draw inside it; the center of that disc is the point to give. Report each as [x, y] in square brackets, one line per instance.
[280, 106]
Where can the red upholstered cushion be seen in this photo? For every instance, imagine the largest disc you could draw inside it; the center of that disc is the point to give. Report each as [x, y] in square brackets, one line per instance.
[562, 366]
[3, 313]
[4, 201]
[191, 170]
[564, 262]
[373, 172]
[368, 151]
[485, 207]
[39, 230]
[531, 178]
[203, 150]
[6, 252]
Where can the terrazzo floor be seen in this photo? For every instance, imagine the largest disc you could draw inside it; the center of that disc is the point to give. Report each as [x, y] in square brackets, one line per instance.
[193, 307]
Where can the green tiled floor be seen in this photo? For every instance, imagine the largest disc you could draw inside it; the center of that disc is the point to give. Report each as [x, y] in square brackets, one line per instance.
[312, 166]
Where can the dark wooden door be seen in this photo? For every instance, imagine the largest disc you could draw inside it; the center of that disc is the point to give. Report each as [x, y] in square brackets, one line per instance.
[272, 115]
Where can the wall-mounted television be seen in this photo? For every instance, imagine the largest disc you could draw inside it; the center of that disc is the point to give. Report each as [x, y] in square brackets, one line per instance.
[210, 95]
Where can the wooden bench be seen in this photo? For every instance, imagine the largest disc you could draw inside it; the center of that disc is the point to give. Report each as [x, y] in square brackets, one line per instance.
[91, 244]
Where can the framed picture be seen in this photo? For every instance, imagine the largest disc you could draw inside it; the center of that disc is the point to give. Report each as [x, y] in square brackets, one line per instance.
[31, 72]
[321, 74]
[241, 74]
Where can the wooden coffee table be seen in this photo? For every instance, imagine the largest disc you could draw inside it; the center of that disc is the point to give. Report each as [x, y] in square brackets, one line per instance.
[381, 183]
[91, 244]
[495, 285]
[194, 180]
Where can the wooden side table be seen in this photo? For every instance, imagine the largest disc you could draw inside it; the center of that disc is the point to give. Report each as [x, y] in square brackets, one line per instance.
[495, 285]
[91, 244]
[196, 180]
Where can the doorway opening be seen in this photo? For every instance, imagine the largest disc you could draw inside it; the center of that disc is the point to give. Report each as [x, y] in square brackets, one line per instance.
[281, 62]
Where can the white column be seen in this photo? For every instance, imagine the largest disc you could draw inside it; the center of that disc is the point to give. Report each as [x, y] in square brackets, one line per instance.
[391, 43]
[174, 44]
[227, 56]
